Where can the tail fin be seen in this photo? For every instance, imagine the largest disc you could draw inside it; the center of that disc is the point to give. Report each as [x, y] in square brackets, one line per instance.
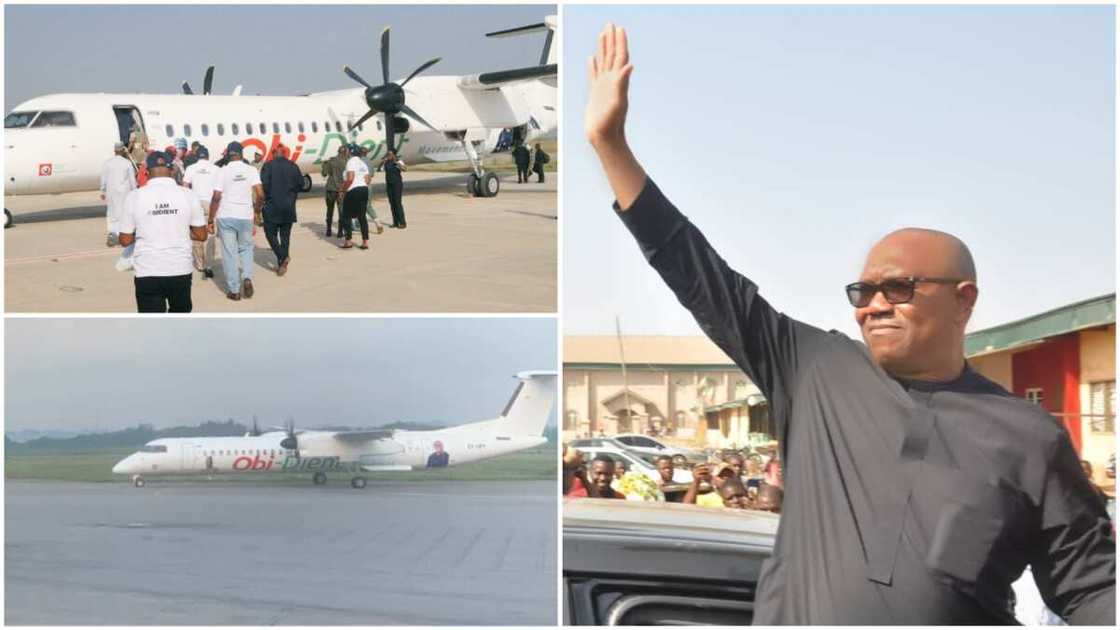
[548, 54]
[527, 410]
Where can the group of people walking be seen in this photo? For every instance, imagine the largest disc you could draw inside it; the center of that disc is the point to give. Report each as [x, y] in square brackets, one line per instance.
[348, 175]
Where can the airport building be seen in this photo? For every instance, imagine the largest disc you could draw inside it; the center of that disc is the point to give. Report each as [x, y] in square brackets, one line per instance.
[684, 389]
[1065, 361]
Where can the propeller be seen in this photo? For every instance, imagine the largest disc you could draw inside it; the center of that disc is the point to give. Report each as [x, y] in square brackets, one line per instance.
[207, 82]
[388, 98]
[291, 442]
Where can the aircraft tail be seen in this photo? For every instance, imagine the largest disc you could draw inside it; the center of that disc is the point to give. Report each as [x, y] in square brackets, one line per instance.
[548, 54]
[527, 410]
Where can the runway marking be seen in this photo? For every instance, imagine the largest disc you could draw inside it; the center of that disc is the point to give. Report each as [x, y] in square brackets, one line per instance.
[57, 257]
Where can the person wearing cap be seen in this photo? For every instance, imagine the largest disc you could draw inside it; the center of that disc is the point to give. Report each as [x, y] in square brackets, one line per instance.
[235, 207]
[161, 219]
[355, 196]
[200, 177]
[334, 170]
[282, 181]
[176, 163]
[394, 186]
[118, 178]
[192, 155]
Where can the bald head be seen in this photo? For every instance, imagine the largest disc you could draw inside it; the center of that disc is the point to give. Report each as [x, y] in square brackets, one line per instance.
[940, 253]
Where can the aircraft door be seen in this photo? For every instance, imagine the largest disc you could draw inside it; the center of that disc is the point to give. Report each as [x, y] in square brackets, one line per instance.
[126, 115]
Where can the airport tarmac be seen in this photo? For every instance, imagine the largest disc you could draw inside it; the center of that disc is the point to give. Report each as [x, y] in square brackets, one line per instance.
[459, 254]
[224, 553]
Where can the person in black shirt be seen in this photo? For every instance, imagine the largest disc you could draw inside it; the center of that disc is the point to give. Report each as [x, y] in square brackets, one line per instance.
[916, 490]
[394, 186]
[440, 458]
[540, 158]
[521, 159]
[282, 181]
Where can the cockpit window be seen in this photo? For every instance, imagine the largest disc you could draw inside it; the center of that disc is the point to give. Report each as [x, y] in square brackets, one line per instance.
[18, 120]
[55, 119]
[154, 448]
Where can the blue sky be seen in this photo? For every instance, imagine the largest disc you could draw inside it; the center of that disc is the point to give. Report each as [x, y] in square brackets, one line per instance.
[108, 373]
[270, 49]
[795, 137]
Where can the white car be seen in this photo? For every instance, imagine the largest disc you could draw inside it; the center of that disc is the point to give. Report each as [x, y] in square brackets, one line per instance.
[651, 447]
[633, 462]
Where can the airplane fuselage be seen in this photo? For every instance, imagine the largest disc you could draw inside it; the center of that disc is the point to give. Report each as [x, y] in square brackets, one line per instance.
[69, 156]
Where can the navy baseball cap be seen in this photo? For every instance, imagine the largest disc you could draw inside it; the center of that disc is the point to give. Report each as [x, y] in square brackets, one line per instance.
[353, 148]
[158, 159]
[234, 147]
[203, 153]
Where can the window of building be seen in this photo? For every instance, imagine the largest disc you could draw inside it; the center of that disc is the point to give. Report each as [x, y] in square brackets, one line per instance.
[1034, 395]
[170, 131]
[205, 129]
[54, 119]
[287, 127]
[1102, 406]
[187, 130]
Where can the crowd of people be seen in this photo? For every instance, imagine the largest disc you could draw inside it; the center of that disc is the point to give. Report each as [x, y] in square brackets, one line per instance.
[167, 233]
[729, 482]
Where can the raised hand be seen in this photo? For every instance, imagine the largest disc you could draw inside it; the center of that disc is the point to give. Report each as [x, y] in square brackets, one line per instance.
[609, 71]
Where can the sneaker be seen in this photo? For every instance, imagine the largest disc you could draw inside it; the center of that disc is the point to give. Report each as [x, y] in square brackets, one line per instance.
[283, 269]
[380, 228]
[209, 273]
[247, 288]
[328, 231]
[236, 297]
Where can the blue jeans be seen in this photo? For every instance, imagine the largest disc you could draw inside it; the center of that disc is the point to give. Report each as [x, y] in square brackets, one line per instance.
[237, 246]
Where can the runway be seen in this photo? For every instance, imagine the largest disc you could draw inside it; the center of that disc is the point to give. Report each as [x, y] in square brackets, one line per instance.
[463, 553]
[459, 254]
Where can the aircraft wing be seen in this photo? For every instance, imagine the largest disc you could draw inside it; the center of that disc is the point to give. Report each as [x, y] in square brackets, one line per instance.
[494, 80]
[363, 436]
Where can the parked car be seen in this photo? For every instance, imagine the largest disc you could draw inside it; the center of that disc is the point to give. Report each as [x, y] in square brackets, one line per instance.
[651, 446]
[636, 563]
[632, 460]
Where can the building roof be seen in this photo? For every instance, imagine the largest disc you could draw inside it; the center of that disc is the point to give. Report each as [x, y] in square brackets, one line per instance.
[1098, 311]
[644, 351]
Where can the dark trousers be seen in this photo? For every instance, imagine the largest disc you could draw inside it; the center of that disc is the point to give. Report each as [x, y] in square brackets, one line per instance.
[354, 207]
[539, 170]
[332, 198]
[279, 237]
[394, 190]
[163, 294]
[522, 173]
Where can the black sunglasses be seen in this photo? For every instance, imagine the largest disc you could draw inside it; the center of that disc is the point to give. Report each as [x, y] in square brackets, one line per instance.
[896, 290]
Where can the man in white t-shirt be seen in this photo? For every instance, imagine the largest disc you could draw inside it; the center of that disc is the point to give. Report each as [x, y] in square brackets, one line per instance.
[162, 219]
[118, 178]
[355, 197]
[236, 203]
[200, 177]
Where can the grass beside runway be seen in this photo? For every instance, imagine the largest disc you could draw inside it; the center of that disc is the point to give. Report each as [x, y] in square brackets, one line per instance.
[539, 464]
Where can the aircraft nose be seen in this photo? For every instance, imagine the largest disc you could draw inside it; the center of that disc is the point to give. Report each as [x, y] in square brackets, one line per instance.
[121, 466]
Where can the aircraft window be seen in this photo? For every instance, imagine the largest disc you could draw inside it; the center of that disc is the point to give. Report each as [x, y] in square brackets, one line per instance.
[300, 127]
[205, 129]
[314, 127]
[327, 126]
[378, 125]
[221, 129]
[338, 126]
[55, 119]
[359, 128]
[261, 125]
[187, 130]
[275, 127]
[18, 120]
[287, 127]
[153, 448]
[234, 129]
[170, 131]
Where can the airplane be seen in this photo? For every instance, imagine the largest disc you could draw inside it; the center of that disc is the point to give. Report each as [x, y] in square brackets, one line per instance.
[59, 143]
[520, 426]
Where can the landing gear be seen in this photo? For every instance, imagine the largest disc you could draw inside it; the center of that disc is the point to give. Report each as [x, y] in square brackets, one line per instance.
[319, 479]
[358, 482]
[480, 183]
[138, 481]
[7, 219]
[306, 184]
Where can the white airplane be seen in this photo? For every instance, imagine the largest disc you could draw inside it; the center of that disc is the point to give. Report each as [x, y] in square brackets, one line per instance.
[519, 427]
[58, 143]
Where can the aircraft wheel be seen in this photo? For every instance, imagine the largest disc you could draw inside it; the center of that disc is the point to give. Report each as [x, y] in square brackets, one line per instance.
[319, 478]
[306, 184]
[473, 186]
[490, 185]
[358, 482]
[138, 481]
[7, 219]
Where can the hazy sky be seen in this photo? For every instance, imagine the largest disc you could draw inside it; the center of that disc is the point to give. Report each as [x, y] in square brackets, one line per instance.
[110, 373]
[795, 137]
[270, 49]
